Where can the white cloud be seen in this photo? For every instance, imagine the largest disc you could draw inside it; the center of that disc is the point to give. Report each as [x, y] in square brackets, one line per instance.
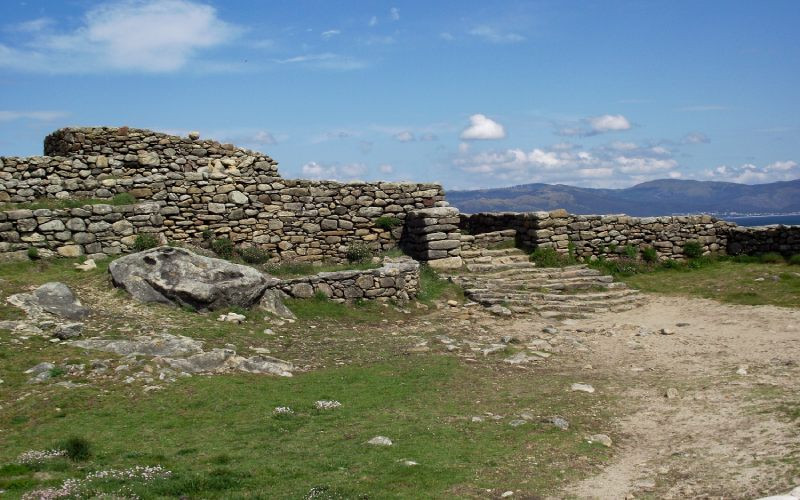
[386, 168]
[34, 25]
[44, 116]
[609, 123]
[394, 14]
[325, 60]
[495, 36]
[404, 136]
[373, 21]
[330, 34]
[751, 174]
[447, 36]
[603, 166]
[595, 125]
[483, 128]
[144, 36]
[695, 138]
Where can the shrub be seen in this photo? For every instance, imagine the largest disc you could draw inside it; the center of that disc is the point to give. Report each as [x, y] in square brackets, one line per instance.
[223, 247]
[631, 251]
[358, 252]
[33, 253]
[573, 257]
[692, 249]
[207, 234]
[77, 448]
[794, 260]
[547, 257]
[387, 222]
[144, 241]
[253, 255]
[649, 254]
[771, 258]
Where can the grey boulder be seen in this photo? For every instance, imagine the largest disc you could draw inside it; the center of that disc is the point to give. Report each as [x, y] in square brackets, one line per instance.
[170, 275]
[54, 298]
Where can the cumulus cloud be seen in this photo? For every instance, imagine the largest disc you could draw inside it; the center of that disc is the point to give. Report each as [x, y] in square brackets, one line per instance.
[749, 173]
[394, 14]
[483, 128]
[404, 136]
[134, 35]
[43, 116]
[494, 35]
[595, 125]
[608, 166]
[348, 171]
[330, 34]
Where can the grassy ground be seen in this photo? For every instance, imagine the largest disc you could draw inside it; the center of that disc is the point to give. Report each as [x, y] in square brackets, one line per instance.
[220, 438]
[54, 203]
[727, 281]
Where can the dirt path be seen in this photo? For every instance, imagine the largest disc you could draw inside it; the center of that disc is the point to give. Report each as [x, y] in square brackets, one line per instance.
[728, 433]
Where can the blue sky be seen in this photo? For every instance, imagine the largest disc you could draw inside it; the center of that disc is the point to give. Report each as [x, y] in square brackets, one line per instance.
[469, 94]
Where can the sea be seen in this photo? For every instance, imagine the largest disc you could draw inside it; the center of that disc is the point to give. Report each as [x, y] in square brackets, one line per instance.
[763, 220]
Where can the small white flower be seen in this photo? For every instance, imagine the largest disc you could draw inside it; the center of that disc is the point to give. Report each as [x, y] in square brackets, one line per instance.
[324, 404]
[282, 410]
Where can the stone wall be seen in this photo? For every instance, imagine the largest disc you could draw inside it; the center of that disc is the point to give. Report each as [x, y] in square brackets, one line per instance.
[396, 279]
[201, 189]
[757, 240]
[487, 240]
[605, 235]
[431, 235]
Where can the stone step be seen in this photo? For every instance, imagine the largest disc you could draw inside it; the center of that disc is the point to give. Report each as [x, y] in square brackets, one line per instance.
[552, 297]
[548, 305]
[503, 259]
[485, 252]
[491, 267]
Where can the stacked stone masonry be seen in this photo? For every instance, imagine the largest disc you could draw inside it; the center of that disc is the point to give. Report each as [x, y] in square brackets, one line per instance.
[487, 240]
[432, 235]
[752, 241]
[605, 235]
[397, 279]
[194, 189]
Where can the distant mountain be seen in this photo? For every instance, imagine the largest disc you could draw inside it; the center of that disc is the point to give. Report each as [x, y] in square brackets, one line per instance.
[659, 197]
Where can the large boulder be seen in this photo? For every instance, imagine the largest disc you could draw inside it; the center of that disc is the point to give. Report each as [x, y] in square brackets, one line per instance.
[177, 276]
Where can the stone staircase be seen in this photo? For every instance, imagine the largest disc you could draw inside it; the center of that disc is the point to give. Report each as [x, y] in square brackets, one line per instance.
[506, 277]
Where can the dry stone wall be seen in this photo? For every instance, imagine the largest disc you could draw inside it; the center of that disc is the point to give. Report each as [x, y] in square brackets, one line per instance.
[605, 235]
[396, 279]
[758, 240]
[195, 189]
[432, 235]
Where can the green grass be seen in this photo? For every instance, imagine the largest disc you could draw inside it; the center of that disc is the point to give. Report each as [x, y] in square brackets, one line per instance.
[220, 439]
[726, 280]
[434, 287]
[55, 204]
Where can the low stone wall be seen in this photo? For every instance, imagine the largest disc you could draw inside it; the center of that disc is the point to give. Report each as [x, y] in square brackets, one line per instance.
[396, 279]
[432, 235]
[758, 240]
[605, 235]
[487, 240]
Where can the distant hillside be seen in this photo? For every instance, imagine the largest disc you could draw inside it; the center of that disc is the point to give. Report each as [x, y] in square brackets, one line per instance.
[659, 197]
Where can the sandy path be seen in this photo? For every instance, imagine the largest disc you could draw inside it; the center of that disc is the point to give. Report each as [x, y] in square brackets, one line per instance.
[724, 435]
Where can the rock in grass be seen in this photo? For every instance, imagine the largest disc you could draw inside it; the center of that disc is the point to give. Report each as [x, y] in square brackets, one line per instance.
[380, 441]
[499, 310]
[68, 331]
[601, 439]
[272, 302]
[582, 388]
[559, 422]
[170, 275]
[54, 298]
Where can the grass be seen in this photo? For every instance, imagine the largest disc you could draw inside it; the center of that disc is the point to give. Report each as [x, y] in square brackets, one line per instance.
[220, 439]
[55, 203]
[218, 434]
[735, 281]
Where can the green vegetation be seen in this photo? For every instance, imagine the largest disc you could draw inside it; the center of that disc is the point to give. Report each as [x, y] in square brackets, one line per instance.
[649, 254]
[33, 253]
[550, 257]
[433, 287]
[692, 250]
[253, 255]
[388, 223]
[358, 252]
[77, 449]
[144, 241]
[505, 244]
[223, 247]
[56, 203]
[235, 446]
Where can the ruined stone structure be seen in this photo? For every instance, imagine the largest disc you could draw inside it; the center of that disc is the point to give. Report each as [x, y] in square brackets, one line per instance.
[188, 189]
[193, 189]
